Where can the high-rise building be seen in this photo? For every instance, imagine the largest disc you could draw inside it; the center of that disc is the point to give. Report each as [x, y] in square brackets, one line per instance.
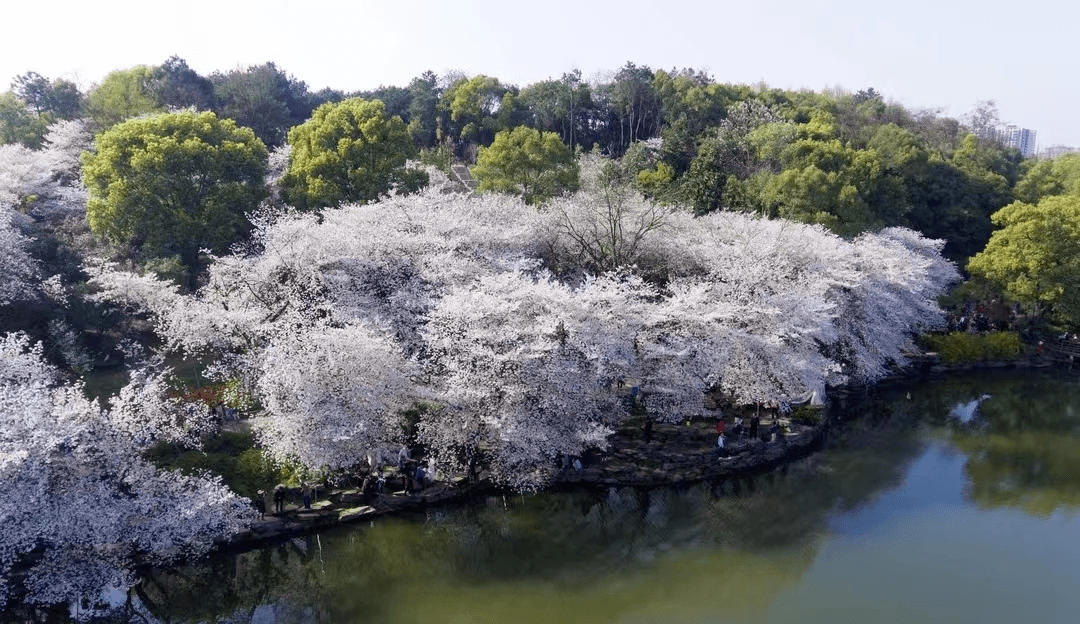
[1056, 150]
[1020, 138]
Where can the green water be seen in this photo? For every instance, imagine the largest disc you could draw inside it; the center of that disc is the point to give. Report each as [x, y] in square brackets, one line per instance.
[932, 508]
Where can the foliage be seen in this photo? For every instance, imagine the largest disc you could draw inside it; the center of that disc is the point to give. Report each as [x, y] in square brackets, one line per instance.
[423, 110]
[349, 152]
[263, 98]
[965, 347]
[59, 98]
[441, 157]
[468, 109]
[123, 94]
[174, 184]
[1057, 176]
[175, 85]
[344, 320]
[1035, 256]
[87, 505]
[243, 468]
[535, 165]
[18, 125]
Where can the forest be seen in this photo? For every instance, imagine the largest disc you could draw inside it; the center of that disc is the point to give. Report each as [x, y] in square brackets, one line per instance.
[500, 275]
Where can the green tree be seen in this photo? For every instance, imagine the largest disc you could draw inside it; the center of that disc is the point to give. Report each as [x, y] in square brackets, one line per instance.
[173, 184]
[349, 152]
[18, 124]
[423, 109]
[61, 99]
[1035, 256]
[1056, 176]
[467, 109]
[176, 85]
[535, 165]
[123, 94]
[263, 98]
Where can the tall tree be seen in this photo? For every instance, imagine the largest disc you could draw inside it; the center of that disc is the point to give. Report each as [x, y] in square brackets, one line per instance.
[535, 165]
[1035, 256]
[123, 94]
[175, 85]
[349, 151]
[423, 109]
[174, 184]
[263, 98]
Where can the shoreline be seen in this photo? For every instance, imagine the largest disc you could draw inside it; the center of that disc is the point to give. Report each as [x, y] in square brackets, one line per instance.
[677, 455]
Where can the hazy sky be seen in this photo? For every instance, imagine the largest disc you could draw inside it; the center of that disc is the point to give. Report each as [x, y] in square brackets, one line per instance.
[945, 54]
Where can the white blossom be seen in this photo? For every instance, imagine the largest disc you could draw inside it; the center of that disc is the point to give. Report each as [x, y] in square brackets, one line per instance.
[79, 494]
[339, 320]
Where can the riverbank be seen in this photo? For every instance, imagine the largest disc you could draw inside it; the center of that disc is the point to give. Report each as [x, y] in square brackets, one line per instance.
[676, 454]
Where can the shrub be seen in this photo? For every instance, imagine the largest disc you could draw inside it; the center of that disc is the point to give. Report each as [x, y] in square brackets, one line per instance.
[963, 347]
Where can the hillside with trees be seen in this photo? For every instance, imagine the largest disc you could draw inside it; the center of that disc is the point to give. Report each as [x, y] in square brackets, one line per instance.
[318, 256]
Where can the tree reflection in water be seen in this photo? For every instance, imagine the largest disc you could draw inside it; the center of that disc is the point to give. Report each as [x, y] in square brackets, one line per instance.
[721, 551]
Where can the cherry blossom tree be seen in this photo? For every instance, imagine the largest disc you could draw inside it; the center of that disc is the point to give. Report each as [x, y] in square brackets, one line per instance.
[339, 321]
[83, 506]
[18, 270]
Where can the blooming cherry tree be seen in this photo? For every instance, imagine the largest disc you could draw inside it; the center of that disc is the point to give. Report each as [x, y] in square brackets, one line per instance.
[339, 321]
[82, 499]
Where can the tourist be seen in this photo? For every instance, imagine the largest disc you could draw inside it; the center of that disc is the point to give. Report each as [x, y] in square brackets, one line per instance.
[755, 423]
[421, 475]
[260, 504]
[774, 431]
[307, 496]
[721, 445]
[402, 457]
[279, 499]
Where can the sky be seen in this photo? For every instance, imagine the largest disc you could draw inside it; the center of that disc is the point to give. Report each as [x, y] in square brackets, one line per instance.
[941, 54]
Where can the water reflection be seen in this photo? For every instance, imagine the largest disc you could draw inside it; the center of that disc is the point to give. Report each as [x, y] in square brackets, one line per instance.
[903, 500]
[691, 553]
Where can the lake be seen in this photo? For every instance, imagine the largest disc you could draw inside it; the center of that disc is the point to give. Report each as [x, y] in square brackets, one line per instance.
[953, 500]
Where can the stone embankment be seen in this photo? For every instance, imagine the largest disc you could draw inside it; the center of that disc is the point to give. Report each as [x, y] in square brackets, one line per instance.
[676, 454]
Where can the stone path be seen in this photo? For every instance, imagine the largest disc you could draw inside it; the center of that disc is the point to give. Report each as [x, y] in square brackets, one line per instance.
[677, 454]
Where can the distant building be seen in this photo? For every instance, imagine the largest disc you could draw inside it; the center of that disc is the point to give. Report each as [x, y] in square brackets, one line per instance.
[1056, 150]
[1020, 138]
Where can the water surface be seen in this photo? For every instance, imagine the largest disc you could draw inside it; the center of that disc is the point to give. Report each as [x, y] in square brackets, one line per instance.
[950, 501]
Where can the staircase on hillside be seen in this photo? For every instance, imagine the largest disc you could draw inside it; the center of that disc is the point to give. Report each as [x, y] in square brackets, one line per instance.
[461, 172]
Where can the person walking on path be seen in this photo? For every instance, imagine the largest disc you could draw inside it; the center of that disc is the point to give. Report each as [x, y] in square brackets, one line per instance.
[307, 496]
[260, 504]
[279, 499]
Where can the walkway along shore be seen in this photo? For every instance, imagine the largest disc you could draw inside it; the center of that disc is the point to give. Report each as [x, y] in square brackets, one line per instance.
[677, 454]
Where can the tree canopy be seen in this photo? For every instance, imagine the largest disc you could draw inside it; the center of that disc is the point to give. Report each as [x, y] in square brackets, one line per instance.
[174, 184]
[123, 94]
[1035, 256]
[535, 165]
[349, 315]
[349, 151]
